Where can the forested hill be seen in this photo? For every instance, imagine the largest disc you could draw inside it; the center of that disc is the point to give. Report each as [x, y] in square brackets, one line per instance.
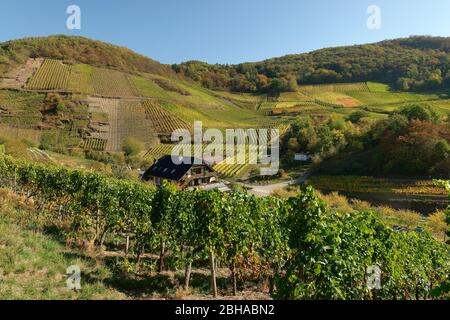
[415, 63]
[79, 50]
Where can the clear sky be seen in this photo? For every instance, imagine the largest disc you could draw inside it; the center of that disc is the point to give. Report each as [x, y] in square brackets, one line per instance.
[225, 31]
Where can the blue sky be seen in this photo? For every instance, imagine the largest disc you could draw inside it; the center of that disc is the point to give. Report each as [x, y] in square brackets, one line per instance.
[225, 31]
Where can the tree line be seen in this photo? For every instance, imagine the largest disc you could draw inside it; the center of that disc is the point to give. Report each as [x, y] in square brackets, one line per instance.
[413, 141]
[301, 247]
[415, 63]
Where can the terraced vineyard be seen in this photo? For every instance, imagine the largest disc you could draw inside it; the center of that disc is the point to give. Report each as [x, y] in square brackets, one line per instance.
[267, 106]
[112, 83]
[133, 122]
[292, 104]
[294, 96]
[294, 107]
[336, 99]
[162, 120]
[20, 110]
[102, 82]
[160, 150]
[236, 169]
[52, 75]
[94, 144]
[81, 79]
[126, 119]
[110, 107]
[55, 75]
[336, 87]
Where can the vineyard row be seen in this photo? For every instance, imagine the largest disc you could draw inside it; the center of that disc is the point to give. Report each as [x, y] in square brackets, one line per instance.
[257, 238]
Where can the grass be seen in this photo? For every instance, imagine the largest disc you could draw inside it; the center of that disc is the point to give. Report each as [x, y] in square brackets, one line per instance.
[337, 98]
[148, 88]
[334, 87]
[433, 223]
[293, 96]
[20, 109]
[81, 79]
[31, 136]
[378, 87]
[377, 185]
[33, 267]
[443, 106]
[34, 259]
[388, 97]
[162, 120]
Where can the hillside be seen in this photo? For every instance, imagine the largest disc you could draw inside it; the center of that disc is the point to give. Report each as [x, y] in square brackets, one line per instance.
[133, 237]
[85, 98]
[415, 63]
[77, 50]
[80, 119]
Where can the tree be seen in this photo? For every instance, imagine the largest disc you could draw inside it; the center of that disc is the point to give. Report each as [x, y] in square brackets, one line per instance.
[292, 85]
[133, 147]
[420, 112]
[356, 116]
[442, 150]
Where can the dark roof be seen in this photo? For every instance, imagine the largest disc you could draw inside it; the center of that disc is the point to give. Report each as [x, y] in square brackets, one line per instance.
[165, 168]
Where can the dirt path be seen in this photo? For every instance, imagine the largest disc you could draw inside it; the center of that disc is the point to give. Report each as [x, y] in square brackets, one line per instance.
[266, 190]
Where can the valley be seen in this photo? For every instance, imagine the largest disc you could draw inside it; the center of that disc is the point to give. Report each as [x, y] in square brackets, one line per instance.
[362, 148]
[147, 107]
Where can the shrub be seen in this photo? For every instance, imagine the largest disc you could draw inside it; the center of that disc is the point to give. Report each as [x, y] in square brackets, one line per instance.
[133, 147]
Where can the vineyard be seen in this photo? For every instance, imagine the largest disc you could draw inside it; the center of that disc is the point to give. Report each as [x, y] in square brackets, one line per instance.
[81, 79]
[109, 107]
[94, 144]
[230, 168]
[20, 110]
[162, 120]
[314, 98]
[337, 87]
[134, 122]
[52, 75]
[161, 150]
[101, 82]
[336, 98]
[294, 107]
[376, 185]
[55, 75]
[112, 83]
[125, 119]
[258, 239]
[296, 96]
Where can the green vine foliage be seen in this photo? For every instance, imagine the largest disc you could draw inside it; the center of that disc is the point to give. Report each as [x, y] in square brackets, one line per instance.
[305, 250]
